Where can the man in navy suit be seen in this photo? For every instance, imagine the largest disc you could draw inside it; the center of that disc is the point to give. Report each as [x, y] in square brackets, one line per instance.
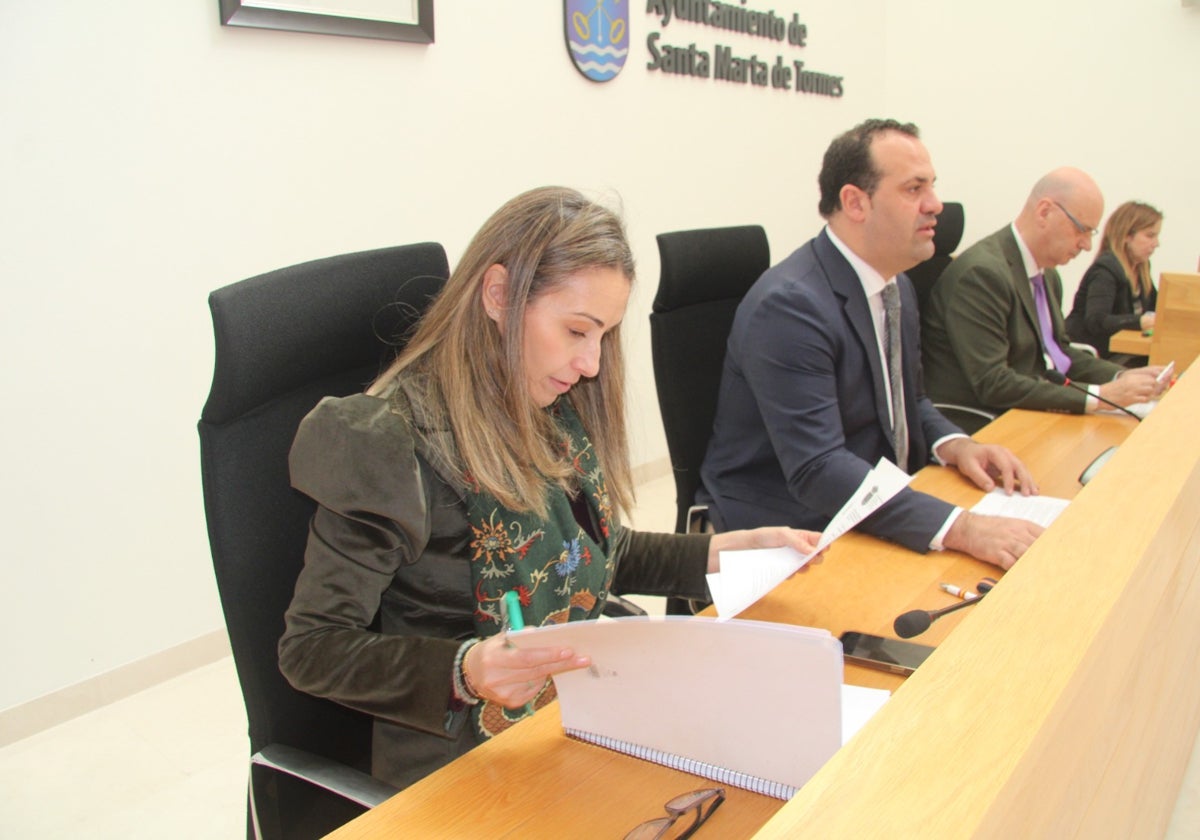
[805, 407]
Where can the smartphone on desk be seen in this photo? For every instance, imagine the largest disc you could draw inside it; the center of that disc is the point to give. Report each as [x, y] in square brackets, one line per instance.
[893, 655]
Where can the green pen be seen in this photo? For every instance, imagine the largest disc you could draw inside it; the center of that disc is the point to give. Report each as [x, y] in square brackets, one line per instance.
[512, 615]
[513, 620]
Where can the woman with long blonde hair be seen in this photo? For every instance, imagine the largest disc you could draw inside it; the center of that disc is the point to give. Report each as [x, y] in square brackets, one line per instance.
[1117, 292]
[489, 459]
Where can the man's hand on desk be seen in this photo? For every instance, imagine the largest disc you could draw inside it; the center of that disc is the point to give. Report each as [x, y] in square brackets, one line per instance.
[804, 542]
[1134, 386]
[987, 464]
[998, 540]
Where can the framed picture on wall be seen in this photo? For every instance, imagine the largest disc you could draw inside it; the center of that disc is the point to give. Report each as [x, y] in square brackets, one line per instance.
[396, 20]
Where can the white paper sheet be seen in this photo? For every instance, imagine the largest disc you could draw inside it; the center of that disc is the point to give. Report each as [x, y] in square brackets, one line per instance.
[749, 574]
[1141, 409]
[1040, 509]
[690, 693]
[858, 705]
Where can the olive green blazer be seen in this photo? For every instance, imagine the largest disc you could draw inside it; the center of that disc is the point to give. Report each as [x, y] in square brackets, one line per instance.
[981, 343]
[385, 596]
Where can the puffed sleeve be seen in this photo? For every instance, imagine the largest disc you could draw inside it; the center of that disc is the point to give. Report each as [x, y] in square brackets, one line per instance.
[355, 457]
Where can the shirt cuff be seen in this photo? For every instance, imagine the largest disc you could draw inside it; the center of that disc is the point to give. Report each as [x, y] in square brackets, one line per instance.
[939, 442]
[1093, 403]
[936, 543]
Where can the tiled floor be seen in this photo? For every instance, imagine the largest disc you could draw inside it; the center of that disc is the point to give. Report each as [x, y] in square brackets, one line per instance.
[171, 761]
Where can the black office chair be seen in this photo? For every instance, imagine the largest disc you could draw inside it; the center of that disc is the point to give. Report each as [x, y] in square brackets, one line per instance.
[946, 238]
[705, 273]
[283, 341]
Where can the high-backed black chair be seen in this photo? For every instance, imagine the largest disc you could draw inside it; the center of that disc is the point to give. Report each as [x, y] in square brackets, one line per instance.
[946, 238]
[705, 273]
[283, 341]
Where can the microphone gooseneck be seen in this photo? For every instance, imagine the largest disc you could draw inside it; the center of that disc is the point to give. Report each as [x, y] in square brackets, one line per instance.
[916, 622]
[1057, 377]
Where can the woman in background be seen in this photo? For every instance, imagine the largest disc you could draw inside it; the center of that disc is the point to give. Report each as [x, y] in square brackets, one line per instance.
[490, 458]
[1116, 292]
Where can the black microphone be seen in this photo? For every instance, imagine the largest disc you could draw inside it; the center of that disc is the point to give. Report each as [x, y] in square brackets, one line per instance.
[1057, 378]
[916, 622]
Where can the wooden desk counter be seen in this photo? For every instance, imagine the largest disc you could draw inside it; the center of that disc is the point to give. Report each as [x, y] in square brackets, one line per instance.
[864, 583]
[1131, 342]
[1066, 704]
[1177, 321]
[532, 781]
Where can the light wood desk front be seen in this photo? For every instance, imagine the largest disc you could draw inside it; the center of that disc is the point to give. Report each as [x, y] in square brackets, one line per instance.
[1067, 703]
[1176, 335]
[532, 781]
[1133, 342]
[1177, 322]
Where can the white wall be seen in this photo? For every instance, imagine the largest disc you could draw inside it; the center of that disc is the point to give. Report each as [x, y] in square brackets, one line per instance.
[1014, 90]
[151, 155]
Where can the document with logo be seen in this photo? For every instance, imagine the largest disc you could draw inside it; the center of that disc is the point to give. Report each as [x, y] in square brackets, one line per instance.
[753, 704]
[748, 575]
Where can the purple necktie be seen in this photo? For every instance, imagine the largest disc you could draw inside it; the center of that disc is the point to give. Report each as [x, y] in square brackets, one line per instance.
[1062, 362]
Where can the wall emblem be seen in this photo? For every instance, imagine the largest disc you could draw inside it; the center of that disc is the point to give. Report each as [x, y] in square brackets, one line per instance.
[598, 36]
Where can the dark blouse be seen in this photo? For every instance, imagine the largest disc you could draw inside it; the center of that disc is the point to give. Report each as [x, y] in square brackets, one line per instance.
[1105, 304]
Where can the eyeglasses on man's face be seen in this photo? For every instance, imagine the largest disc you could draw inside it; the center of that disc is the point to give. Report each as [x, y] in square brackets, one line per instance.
[1079, 226]
[680, 806]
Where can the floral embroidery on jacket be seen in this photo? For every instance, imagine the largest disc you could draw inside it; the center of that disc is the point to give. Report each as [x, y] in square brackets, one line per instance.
[558, 570]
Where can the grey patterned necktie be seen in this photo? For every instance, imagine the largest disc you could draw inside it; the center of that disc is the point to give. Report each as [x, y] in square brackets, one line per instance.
[891, 346]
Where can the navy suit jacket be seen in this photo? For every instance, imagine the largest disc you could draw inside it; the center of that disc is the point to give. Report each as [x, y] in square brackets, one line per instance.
[802, 414]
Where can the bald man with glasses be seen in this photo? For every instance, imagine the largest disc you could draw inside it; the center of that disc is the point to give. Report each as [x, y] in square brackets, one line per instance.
[993, 327]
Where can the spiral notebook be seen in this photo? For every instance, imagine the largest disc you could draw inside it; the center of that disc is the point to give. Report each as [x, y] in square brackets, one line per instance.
[751, 704]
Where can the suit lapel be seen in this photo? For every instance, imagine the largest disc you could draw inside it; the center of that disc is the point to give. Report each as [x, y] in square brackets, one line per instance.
[848, 288]
[1016, 267]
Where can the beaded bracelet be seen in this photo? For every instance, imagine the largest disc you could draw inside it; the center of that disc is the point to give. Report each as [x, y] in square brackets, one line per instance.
[462, 687]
